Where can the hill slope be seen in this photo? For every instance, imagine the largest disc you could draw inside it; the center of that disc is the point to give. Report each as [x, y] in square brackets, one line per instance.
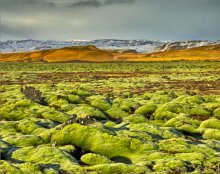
[93, 54]
[67, 54]
[211, 52]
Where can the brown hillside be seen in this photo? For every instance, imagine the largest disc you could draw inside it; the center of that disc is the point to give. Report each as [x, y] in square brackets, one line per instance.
[68, 54]
[93, 54]
[198, 53]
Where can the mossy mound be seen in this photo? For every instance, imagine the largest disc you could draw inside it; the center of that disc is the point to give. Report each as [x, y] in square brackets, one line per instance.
[193, 158]
[216, 113]
[117, 113]
[135, 118]
[34, 126]
[8, 128]
[56, 116]
[170, 165]
[75, 99]
[94, 159]
[27, 168]
[101, 104]
[212, 134]
[82, 136]
[46, 155]
[146, 109]
[118, 168]
[210, 123]
[89, 110]
[72, 131]
[24, 140]
[6, 167]
[180, 145]
[4, 147]
[183, 123]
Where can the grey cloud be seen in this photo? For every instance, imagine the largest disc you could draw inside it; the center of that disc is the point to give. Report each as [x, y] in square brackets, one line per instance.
[16, 31]
[99, 19]
[111, 2]
[17, 3]
[86, 3]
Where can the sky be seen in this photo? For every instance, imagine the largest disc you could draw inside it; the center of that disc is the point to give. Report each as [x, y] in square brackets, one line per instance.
[110, 19]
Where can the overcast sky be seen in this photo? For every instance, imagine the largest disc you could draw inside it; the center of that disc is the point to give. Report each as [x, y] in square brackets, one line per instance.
[118, 19]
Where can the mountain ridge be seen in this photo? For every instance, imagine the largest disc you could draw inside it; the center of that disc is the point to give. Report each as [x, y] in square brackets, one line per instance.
[91, 53]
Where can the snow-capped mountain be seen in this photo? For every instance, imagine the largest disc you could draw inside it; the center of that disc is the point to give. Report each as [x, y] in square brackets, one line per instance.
[108, 44]
[180, 45]
[111, 44]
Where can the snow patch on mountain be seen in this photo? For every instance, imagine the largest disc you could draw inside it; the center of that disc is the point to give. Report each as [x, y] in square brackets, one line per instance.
[180, 45]
[141, 46]
[108, 44]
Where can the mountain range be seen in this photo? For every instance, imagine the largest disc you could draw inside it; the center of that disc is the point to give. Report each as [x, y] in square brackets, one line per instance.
[140, 46]
[91, 53]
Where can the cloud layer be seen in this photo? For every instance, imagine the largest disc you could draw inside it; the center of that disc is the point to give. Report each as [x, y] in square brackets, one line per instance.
[122, 19]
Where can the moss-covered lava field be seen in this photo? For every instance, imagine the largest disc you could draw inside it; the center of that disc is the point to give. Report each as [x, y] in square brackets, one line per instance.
[110, 118]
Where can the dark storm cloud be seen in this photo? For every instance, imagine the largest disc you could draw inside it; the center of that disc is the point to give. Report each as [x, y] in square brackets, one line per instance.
[122, 19]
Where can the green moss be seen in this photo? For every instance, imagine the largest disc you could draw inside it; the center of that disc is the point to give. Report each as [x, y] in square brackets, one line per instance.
[212, 165]
[128, 104]
[12, 113]
[32, 126]
[117, 113]
[84, 93]
[50, 171]
[170, 165]
[212, 105]
[94, 139]
[172, 107]
[159, 155]
[8, 128]
[118, 168]
[215, 144]
[24, 140]
[210, 123]
[94, 159]
[160, 98]
[200, 111]
[146, 109]
[146, 96]
[89, 110]
[27, 168]
[184, 123]
[216, 113]
[75, 99]
[67, 107]
[164, 115]
[110, 124]
[6, 167]
[56, 116]
[4, 147]
[46, 135]
[193, 158]
[135, 118]
[101, 104]
[180, 145]
[23, 103]
[59, 103]
[155, 131]
[212, 134]
[67, 148]
[46, 155]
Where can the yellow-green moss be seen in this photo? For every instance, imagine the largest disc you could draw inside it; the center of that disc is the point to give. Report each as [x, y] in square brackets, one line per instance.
[94, 159]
